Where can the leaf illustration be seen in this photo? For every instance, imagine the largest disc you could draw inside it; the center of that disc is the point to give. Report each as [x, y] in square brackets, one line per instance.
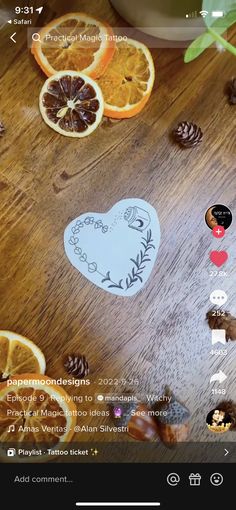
[73, 240]
[140, 261]
[114, 285]
[135, 262]
[149, 235]
[139, 265]
[107, 277]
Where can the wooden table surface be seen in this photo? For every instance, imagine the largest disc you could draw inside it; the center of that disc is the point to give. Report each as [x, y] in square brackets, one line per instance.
[160, 335]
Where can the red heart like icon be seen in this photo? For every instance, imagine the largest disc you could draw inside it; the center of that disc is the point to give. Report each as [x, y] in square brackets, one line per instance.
[218, 257]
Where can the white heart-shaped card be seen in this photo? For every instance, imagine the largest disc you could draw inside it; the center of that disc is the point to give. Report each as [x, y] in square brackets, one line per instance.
[115, 250]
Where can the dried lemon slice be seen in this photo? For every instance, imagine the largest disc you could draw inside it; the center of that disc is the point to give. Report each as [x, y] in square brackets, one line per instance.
[19, 355]
[71, 103]
[75, 41]
[128, 80]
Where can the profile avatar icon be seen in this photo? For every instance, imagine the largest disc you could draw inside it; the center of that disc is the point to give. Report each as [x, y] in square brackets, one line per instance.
[220, 215]
[218, 421]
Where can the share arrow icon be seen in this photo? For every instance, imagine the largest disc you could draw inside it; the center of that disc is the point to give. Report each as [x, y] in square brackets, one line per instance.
[219, 377]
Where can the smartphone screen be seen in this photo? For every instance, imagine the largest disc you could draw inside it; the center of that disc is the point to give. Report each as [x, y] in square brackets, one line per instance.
[117, 280]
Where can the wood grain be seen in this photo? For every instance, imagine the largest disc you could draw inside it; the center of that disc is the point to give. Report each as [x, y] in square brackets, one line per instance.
[160, 336]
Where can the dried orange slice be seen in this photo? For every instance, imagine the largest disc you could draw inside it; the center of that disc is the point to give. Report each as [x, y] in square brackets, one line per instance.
[19, 355]
[71, 103]
[76, 41]
[128, 80]
[35, 413]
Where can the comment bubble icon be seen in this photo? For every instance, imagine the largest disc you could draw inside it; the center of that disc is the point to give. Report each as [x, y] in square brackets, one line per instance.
[218, 297]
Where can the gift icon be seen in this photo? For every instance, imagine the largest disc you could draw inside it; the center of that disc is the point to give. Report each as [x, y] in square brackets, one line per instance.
[195, 479]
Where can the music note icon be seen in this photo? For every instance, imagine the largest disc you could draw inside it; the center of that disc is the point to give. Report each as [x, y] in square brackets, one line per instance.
[11, 428]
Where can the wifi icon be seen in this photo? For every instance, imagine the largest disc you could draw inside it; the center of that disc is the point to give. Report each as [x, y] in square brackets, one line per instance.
[203, 13]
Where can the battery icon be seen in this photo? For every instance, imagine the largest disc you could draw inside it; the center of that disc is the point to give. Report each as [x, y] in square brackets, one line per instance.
[217, 14]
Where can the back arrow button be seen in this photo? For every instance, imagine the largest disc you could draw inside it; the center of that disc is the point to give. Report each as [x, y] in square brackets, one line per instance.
[226, 452]
[12, 37]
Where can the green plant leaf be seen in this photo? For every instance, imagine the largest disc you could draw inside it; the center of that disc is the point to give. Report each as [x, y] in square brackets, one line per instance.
[222, 24]
[226, 6]
[225, 44]
[218, 27]
[198, 46]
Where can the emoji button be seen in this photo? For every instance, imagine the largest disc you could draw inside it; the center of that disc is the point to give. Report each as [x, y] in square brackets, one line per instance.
[216, 479]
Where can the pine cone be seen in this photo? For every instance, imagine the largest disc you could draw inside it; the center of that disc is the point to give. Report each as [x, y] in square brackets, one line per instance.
[232, 91]
[2, 129]
[227, 322]
[188, 134]
[76, 365]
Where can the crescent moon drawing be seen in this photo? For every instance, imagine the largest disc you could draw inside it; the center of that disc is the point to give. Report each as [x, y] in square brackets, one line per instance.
[141, 223]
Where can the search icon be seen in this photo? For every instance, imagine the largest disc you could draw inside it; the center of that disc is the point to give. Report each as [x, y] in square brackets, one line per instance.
[36, 37]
